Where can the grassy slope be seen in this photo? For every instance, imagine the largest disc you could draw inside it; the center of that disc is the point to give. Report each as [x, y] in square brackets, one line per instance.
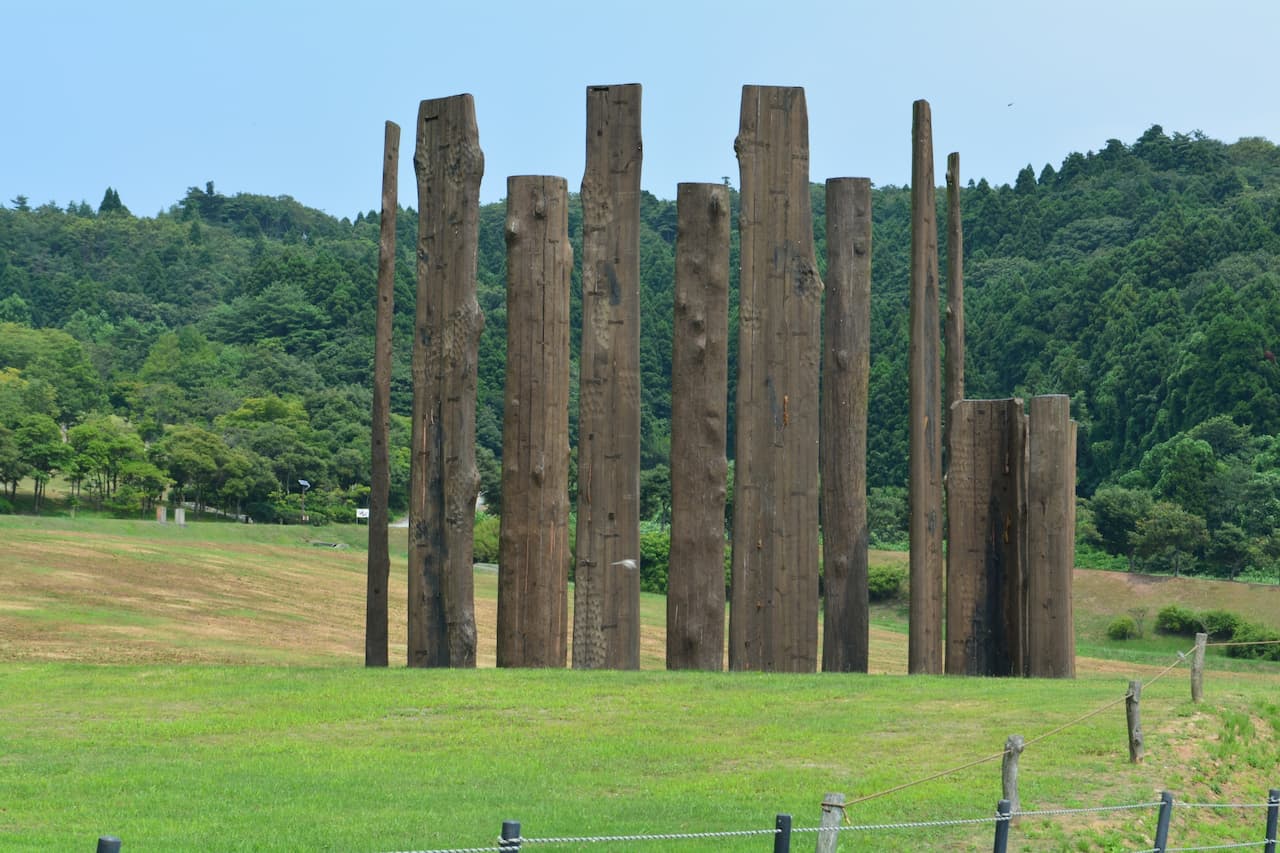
[325, 754]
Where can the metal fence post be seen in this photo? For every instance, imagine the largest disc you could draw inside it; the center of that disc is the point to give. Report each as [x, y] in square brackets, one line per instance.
[782, 834]
[510, 835]
[1273, 812]
[111, 844]
[1162, 825]
[1003, 810]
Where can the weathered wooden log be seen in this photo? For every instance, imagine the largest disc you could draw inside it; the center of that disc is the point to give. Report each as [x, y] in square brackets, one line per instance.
[953, 334]
[379, 562]
[832, 818]
[1051, 551]
[699, 385]
[606, 619]
[986, 552]
[1133, 717]
[773, 619]
[846, 366]
[1013, 747]
[533, 564]
[924, 640]
[1197, 668]
[444, 479]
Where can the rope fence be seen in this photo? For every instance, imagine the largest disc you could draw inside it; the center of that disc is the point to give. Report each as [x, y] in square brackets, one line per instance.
[513, 840]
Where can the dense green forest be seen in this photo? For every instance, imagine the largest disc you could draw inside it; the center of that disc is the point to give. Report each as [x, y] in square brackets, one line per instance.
[222, 350]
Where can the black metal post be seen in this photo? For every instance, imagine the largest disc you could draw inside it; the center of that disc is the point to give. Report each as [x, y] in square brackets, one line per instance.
[782, 834]
[108, 844]
[1273, 812]
[1003, 809]
[1162, 825]
[510, 835]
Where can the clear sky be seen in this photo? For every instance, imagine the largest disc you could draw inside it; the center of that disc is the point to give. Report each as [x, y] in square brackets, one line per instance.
[289, 98]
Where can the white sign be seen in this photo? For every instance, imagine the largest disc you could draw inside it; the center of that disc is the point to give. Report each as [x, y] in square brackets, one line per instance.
[362, 512]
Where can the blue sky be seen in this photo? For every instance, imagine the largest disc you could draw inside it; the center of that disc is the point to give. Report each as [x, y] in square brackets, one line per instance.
[290, 98]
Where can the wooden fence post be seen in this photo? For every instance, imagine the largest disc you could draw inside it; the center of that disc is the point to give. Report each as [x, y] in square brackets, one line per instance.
[379, 559]
[606, 616]
[533, 566]
[699, 408]
[773, 620]
[832, 818]
[444, 480]
[1013, 747]
[1133, 716]
[845, 375]
[986, 515]
[924, 640]
[1197, 668]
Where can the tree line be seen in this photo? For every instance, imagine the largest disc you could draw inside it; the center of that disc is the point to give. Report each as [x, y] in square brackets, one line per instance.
[1141, 279]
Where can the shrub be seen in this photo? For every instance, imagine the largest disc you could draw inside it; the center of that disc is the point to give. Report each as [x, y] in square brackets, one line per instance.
[484, 543]
[1220, 624]
[1176, 619]
[6, 508]
[1251, 632]
[1122, 628]
[885, 583]
[655, 555]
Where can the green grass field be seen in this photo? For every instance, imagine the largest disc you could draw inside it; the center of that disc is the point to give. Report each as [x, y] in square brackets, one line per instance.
[201, 688]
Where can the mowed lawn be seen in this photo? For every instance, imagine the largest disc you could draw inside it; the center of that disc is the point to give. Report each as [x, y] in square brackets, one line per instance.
[201, 688]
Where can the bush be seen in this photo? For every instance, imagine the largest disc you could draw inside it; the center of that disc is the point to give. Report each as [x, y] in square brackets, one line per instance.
[1176, 619]
[655, 557]
[1220, 624]
[885, 583]
[6, 508]
[1251, 632]
[1123, 628]
[484, 542]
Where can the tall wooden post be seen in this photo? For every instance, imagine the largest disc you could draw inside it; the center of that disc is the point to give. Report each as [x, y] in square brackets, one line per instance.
[846, 369]
[1051, 537]
[699, 385]
[444, 480]
[954, 324]
[773, 620]
[606, 618]
[985, 556]
[533, 573]
[379, 565]
[924, 640]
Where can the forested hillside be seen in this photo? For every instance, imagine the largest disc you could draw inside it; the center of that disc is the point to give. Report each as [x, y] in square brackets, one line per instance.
[225, 346]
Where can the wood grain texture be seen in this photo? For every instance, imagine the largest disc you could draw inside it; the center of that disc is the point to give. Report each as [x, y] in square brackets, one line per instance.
[924, 644]
[846, 366]
[449, 164]
[699, 410]
[533, 574]
[773, 623]
[606, 626]
[1051, 549]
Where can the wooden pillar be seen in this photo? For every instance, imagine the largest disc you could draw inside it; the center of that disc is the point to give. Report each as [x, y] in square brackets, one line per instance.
[986, 517]
[1051, 537]
[699, 387]
[954, 324]
[606, 619]
[379, 564]
[533, 565]
[924, 640]
[773, 620]
[444, 480]
[846, 369]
